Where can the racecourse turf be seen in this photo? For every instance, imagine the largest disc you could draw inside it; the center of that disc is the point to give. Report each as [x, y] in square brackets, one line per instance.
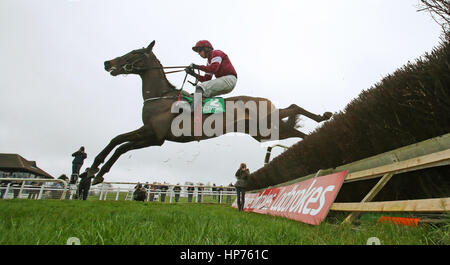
[41, 222]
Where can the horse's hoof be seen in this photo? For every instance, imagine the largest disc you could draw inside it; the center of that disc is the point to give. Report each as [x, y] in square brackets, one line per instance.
[327, 115]
[97, 180]
[92, 172]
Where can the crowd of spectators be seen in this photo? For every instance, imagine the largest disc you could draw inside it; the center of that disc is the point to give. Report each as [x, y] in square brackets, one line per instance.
[159, 192]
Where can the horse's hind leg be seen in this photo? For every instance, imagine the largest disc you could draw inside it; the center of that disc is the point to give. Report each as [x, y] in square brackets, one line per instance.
[285, 132]
[120, 139]
[120, 151]
[293, 110]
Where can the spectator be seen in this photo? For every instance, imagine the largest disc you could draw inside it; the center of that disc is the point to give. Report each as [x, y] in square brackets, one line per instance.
[177, 190]
[199, 193]
[85, 185]
[190, 193]
[241, 184]
[164, 189]
[220, 191]
[139, 193]
[152, 192]
[77, 162]
[229, 190]
[214, 190]
[138, 186]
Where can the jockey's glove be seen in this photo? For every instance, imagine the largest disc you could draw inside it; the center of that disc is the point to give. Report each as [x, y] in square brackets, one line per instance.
[194, 66]
[189, 71]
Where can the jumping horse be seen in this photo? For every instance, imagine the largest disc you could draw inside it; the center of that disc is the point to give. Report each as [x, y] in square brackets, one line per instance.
[159, 95]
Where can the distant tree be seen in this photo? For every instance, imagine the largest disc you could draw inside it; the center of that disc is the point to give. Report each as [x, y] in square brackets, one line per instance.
[439, 11]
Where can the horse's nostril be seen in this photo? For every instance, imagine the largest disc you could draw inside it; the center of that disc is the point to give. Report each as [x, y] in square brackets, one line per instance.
[107, 64]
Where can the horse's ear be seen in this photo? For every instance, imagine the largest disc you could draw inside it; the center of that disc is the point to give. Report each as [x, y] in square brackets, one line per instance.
[150, 47]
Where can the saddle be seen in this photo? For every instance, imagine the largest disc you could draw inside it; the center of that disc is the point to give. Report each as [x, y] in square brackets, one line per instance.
[209, 105]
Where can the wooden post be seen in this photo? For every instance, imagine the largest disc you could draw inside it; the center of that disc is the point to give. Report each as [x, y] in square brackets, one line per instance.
[369, 197]
[267, 158]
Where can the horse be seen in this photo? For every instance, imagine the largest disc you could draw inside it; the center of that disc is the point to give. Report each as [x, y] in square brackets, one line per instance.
[157, 116]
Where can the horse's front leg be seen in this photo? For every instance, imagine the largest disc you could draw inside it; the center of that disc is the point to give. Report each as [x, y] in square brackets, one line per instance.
[122, 150]
[120, 139]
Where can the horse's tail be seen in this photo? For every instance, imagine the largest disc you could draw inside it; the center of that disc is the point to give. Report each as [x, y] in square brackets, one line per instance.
[293, 121]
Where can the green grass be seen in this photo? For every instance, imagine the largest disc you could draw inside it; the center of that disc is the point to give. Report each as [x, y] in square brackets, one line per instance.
[129, 222]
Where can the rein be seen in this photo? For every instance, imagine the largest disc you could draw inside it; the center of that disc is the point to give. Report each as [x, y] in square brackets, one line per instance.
[170, 67]
[179, 91]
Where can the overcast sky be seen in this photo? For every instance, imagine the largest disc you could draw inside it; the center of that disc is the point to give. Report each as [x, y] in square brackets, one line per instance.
[56, 96]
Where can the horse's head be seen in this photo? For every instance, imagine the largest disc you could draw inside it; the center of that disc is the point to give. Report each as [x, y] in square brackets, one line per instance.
[134, 62]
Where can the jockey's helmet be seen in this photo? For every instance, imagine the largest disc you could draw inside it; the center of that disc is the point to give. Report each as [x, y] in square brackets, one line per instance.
[202, 44]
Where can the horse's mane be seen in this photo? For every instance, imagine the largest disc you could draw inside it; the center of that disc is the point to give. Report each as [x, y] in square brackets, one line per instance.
[162, 71]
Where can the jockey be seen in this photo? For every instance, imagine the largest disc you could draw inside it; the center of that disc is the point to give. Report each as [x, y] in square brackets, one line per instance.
[219, 65]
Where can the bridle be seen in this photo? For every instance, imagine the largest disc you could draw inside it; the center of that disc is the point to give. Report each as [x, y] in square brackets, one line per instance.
[130, 67]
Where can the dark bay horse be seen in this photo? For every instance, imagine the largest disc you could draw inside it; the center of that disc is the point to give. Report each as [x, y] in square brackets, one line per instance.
[157, 115]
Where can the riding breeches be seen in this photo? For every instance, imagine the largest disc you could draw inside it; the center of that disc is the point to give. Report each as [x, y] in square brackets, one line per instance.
[218, 86]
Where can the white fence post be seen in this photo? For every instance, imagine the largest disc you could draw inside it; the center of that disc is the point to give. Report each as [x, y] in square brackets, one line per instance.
[117, 195]
[41, 191]
[7, 190]
[101, 193]
[70, 188]
[21, 189]
[63, 195]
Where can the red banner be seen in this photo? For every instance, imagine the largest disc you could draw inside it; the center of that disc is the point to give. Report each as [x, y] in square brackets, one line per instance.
[308, 201]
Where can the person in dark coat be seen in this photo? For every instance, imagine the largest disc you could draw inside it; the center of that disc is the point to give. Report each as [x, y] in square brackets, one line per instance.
[152, 192]
[200, 193]
[139, 193]
[164, 189]
[220, 191]
[177, 190]
[77, 162]
[190, 193]
[242, 175]
[214, 191]
[84, 186]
